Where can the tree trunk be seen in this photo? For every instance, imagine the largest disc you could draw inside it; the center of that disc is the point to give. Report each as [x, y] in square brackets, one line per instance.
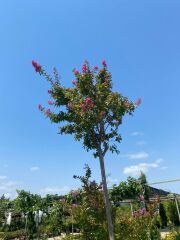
[106, 198]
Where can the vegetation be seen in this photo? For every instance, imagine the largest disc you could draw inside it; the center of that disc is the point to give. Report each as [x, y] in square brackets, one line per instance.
[90, 111]
[83, 212]
[130, 189]
[173, 236]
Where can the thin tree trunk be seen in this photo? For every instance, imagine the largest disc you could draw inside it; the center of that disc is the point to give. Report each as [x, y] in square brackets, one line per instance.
[106, 198]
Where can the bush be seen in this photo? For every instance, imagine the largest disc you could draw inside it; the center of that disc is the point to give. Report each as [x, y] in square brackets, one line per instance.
[173, 236]
[171, 213]
[162, 214]
[90, 216]
[136, 228]
[11, 235]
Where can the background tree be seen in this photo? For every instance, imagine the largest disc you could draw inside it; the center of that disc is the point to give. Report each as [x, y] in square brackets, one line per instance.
[27, 204]
[5, 206]
[162, 214]
[91, 111]
[129, 189]
[144, 186]
[171, 212]
[54, 221]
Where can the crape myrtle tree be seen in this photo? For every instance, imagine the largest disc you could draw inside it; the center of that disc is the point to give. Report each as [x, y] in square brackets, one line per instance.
[90, 111]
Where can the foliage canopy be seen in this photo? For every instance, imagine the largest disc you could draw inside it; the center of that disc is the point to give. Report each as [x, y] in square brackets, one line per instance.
[90, 110]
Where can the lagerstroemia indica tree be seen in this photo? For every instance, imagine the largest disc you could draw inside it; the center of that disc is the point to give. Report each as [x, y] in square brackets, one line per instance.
[90, 111]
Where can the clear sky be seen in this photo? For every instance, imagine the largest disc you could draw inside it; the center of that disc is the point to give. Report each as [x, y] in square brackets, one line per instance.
[140, 41]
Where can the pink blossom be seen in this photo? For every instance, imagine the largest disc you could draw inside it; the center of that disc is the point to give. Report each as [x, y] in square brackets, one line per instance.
[48, 112]
[74, 205]
[88, 100]
[83, 106]
[86, 62]
[76, 72]
[50, 102]
[36, 66]
[142, 211]
[104, 63]
[40, 107]
[74, 82]
[74, 194]
[138, 102]
[95, 68]
[89, 103]
[84, 68]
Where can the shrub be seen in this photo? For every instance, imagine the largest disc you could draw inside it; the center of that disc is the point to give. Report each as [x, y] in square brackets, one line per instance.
[162, 214]
[90, 216]
[136, 228]
[11, 235]
[173, 236]
[171, 212]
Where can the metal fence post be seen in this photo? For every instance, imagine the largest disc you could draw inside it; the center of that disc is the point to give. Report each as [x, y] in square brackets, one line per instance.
[177, 206]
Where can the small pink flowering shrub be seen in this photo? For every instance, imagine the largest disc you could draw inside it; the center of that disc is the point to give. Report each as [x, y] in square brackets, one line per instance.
[90, 215]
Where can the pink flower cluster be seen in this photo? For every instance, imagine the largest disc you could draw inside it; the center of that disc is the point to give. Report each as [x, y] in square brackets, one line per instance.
[140, 212]
[83, 107]
[104, 63]
[40, 107]
[74, 205]
[88, 104]
[37, 66]
[84, 67]
[74, 194]
[47, 112]
[95, 68]
[88, 101]
[138, 102]
[74, 82]
[76, 72]
[50, 102]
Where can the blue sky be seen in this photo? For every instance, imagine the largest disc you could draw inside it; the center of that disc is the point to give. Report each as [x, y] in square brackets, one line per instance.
[140, 41]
